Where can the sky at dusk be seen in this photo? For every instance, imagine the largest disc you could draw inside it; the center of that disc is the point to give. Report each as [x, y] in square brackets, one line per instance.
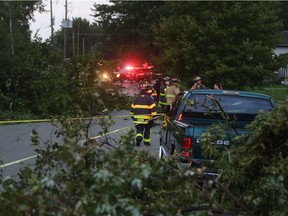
[75, 8]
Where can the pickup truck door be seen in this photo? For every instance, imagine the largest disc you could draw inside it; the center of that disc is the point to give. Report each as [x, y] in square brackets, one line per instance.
[177, 134]
[167, 132]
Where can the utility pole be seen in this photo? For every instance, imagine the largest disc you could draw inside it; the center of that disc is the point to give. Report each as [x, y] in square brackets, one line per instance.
[73, 37]
[11, 33]
[65, 31]
[83, 45]
[52, 21]
[11, 28]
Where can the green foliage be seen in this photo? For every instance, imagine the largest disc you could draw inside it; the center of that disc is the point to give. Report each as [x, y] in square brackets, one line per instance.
[78, 175]
[35, 82]
[282, 15]
[128, 27]
[255, 166]
[81, 176]
[15, 56]
[74, 88]
[226, 42]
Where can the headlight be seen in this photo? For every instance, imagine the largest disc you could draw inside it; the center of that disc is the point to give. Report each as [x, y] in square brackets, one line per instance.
[105, 76]
[118, 75]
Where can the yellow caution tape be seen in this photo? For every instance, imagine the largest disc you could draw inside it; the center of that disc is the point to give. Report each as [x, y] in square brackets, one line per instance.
[48, 120]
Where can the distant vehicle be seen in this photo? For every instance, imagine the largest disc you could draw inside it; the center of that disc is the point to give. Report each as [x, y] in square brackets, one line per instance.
[133, 74]
[103, 76]
[196, 110]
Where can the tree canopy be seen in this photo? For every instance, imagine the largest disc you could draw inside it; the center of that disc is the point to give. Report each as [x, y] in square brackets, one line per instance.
[128, 27]
[227, 42]
[18, 56]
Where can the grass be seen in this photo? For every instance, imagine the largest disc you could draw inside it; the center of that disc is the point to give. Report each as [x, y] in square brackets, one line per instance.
[278, 92]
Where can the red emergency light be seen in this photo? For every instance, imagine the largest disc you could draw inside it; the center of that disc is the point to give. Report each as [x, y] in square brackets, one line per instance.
[128, 67]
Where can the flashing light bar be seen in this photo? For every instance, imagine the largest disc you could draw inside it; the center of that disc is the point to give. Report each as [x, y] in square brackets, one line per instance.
[128, 67]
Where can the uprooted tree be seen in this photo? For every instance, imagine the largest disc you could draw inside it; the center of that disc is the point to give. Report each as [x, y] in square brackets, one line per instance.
[86, 176]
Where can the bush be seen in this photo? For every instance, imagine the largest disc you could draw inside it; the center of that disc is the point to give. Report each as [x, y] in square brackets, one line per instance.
[254, 168]
[80, 176]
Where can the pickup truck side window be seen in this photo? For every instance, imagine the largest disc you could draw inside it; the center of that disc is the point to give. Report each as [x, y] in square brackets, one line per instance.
[202, 106]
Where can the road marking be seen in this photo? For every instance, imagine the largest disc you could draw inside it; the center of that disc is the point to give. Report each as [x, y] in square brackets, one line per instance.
[33, 156]
[17, 161]
[115, 131]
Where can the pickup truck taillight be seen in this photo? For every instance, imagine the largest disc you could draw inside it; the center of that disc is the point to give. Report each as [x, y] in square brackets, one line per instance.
[180, 118]
[186, 146]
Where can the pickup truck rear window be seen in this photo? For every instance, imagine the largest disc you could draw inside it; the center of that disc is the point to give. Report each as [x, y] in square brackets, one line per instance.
[231, 104]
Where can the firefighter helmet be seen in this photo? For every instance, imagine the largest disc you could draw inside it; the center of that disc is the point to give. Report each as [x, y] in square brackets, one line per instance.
[175, 80]
[166, 78]
[144, 87]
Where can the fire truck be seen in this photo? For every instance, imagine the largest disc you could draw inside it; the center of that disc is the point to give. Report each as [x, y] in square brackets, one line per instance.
[134, 74]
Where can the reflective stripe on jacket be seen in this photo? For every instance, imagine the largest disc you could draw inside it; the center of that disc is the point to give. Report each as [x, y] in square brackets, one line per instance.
[143, 109]
[153, 93]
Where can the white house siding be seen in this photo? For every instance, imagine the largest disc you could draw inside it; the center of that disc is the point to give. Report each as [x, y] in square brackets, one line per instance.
[280, 50]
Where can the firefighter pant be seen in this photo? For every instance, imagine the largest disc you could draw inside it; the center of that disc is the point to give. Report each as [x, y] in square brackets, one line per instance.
[144, 129]
[162, 108]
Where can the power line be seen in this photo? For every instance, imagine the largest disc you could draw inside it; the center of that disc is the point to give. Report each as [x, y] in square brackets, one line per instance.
[40, 28]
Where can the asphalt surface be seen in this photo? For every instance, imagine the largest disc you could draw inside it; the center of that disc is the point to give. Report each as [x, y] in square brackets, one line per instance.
[16, 149]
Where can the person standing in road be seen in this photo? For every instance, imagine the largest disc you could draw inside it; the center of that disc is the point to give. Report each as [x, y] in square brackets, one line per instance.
[150, 90]
[162, 95]
[198, 83]
[157, 86]
[153, 90]
[143, 110]
[153, 93]
[172, 91]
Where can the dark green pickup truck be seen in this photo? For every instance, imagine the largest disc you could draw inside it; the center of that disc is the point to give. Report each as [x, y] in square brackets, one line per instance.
[196, 110]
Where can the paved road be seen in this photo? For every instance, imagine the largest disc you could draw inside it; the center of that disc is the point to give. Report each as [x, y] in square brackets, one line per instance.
[16, 145]
[130, 89]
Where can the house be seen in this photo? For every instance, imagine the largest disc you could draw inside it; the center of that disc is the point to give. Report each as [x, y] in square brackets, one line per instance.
[281, 49]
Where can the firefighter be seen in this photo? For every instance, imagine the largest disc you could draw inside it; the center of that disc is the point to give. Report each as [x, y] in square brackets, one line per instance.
[198, 83]
[150, 90]
[143, 110]
[172, 91]
[156, 86]
[162, 95]
[153, 92]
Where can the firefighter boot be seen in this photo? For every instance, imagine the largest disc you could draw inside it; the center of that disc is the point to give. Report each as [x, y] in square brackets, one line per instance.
[138, 140]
